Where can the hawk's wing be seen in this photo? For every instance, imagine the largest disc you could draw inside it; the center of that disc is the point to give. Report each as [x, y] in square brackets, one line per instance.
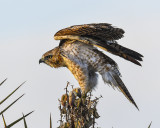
[102, 31]
[102, 35]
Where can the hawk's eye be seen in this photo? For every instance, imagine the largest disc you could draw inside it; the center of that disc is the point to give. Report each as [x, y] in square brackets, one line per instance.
[49, 57]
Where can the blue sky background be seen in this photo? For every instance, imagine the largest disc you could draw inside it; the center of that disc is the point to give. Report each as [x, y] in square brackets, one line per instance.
[26, 32]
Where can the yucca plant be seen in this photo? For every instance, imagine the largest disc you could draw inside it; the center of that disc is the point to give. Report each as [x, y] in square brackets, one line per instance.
[76, 110]
[4, 110]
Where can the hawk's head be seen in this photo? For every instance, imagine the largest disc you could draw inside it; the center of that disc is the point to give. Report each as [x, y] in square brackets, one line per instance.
[52, 58]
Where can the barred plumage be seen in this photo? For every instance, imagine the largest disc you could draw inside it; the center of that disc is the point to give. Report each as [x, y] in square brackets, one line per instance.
[77, 51]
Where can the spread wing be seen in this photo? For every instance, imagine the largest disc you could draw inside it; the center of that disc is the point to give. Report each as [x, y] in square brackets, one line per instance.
[102, 31]
[102, 35]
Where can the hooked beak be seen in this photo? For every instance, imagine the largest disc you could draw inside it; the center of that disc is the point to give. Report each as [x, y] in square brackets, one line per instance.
[41, 61]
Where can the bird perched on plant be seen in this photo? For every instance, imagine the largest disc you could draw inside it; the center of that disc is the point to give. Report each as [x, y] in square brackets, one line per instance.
[78, 52]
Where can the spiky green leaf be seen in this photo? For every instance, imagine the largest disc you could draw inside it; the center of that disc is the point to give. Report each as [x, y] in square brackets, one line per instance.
[5, 125]
[11, 104]
[11, 93]
[25, 124]
[150, 125]
[3, 81]
[15, 122]
[50, 121]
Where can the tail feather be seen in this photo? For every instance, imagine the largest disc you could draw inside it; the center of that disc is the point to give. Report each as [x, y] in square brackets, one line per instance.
[114, 80]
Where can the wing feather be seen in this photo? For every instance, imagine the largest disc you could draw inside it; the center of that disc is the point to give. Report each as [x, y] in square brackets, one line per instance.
[102, 31]
[101, 35]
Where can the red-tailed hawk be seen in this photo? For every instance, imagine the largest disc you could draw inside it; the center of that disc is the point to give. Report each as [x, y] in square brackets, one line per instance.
[78, 52]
